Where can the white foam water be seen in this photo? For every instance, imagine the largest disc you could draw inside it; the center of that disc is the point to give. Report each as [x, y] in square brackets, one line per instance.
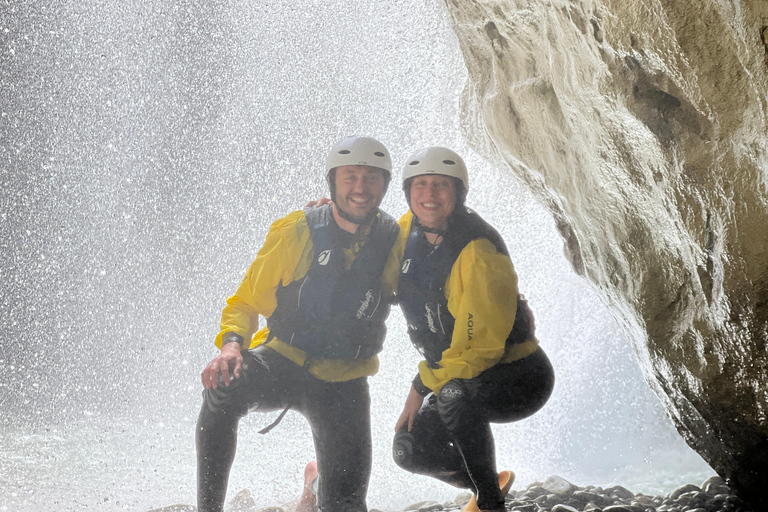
[148, 147]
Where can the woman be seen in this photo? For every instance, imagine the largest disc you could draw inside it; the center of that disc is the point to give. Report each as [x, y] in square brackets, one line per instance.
[458, 293]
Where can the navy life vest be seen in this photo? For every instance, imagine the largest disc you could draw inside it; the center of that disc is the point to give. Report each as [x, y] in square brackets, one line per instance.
[424, 273]
[334, 313]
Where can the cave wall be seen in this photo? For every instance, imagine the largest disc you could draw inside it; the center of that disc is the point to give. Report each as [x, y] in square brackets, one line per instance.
[643, 126]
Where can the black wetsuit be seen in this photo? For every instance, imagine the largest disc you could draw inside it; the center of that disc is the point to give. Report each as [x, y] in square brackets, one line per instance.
[334, 317]
[451, 437]
[337, 412]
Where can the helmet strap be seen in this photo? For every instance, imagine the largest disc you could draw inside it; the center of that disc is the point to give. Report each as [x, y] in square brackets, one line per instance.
[425, 229]
[360, 221]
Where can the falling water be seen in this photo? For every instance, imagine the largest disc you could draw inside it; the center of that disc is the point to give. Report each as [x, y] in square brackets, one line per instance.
[145, 149]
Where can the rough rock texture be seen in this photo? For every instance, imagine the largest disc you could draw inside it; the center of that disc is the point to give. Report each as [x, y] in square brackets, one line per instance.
[643, 126]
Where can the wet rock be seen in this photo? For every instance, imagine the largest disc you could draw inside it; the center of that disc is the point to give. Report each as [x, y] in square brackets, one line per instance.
[645, 501]
[677, 99]
[623, 508]
[715, 485]
[532, 493]
[564, 508]
[418, 506]
[525, 508]
[716, 502]
[243, 502]
[462, 499]
[580, 499]
[536, 498]
[682, 490]
[693, 499]
[619, 492]
[556, 485]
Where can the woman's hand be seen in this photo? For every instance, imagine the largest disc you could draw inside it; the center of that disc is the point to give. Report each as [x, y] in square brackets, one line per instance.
[320, 202]
[412, 406]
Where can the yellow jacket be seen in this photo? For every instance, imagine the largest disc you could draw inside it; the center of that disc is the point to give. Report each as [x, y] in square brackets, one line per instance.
[286, 256]
[482, 296]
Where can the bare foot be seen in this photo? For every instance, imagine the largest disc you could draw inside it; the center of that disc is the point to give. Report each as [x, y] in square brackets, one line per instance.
[308, 501]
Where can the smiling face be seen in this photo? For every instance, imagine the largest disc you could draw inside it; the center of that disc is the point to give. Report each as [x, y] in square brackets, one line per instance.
[359, 189]
[433, 198]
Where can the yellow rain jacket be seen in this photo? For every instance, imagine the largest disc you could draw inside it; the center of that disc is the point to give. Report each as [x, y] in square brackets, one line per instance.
[286, 256]
[482, 296]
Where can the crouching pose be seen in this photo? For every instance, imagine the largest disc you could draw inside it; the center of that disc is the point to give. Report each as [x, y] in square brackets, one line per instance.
[458, 292]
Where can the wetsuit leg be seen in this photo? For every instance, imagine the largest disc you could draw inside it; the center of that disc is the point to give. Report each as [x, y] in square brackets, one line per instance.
[428, 449]
[339, 414]
[261, 387]
[472, 437]
[503, 393]
[514, 391]
[452, 439]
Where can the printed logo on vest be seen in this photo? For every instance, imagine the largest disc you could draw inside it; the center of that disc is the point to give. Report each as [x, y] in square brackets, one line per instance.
[324, 257]
[365, 303]
[406, 266]
[430, 318]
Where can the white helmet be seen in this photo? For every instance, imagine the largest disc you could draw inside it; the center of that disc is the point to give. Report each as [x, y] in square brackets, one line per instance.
[359, 151]
[436, 160]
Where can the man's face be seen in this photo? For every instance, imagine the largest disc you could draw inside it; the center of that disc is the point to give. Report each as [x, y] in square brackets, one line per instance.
[359, 189]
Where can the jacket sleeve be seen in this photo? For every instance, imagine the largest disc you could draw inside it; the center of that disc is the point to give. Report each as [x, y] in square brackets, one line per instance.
[482, 297]
[276, 261]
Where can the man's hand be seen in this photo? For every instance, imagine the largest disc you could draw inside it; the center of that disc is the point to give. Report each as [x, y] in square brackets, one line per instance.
[320, 202]
[412, 405]
[229, 359]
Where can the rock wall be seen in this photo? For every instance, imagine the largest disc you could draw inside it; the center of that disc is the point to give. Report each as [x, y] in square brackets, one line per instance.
[643, 126]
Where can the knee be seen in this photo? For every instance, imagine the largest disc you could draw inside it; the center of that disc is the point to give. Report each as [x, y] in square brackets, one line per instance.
[218, 407]
[453, 403]
[402, 450]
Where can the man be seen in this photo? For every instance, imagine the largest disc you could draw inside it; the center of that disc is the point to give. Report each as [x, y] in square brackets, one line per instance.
[324, 279]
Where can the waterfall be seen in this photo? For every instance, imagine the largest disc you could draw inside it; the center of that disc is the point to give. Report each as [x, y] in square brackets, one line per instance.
[145, 149]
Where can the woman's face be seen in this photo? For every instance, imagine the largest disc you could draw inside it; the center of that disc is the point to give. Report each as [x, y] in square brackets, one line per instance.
[433, 198]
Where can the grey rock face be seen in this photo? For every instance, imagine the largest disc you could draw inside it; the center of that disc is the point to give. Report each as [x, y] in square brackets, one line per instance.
[643, 126]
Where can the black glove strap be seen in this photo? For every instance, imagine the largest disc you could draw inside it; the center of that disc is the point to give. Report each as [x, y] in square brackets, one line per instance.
[419, 386]
[231, 337]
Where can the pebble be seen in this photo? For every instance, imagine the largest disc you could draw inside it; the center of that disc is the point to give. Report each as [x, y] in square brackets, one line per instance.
[558, 495]
[175, 508]
[557, 485]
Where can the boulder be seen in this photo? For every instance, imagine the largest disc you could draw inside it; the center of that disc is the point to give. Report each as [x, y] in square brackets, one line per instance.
[643, 126]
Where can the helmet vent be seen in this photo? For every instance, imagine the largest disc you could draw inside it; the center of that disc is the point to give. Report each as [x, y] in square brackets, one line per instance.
[449, 162]
[344, 152]
[379, 153]
[415, 162]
